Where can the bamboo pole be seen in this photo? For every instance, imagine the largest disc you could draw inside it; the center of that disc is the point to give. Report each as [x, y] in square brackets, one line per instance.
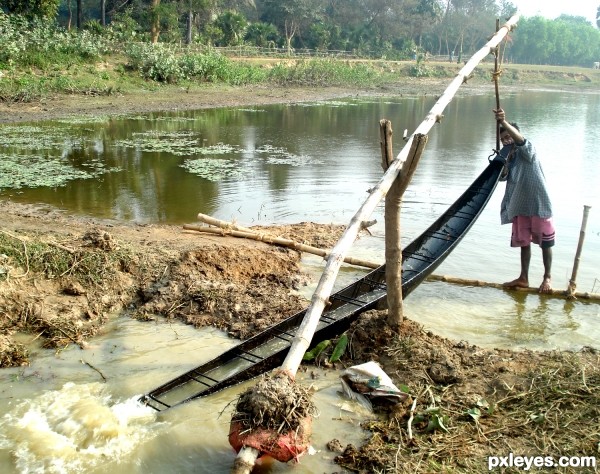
[496, 76]
[572, 285]
[480, 283]
[250, 234]
[224, 224]
[303, 337]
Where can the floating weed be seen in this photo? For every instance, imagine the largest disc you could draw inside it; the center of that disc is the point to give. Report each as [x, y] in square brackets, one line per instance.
[280, 156]
[215, 169]
[33, 171]
[293, 160]
[220, 149]
[181, 143]
[251, 110]
[330, 103]
[176, 119]
[35, 138]
[84, 119]
[177, 143]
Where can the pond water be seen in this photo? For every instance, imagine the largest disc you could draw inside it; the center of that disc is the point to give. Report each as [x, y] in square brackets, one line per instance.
[282, 164]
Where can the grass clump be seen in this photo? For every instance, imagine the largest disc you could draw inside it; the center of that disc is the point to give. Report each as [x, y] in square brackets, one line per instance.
[87, 266]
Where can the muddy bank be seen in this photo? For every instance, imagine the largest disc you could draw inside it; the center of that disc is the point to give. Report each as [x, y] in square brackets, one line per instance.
[172, 98]
[61, 277]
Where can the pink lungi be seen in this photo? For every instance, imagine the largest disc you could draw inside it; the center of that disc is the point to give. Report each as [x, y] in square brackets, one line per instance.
[526, 230]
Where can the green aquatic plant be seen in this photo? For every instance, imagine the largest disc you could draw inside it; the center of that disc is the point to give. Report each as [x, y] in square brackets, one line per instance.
[33, 171]
[28, 137]
[220, 149]
[180, 143]
[84, 119]
[280, 156]
[215, 169]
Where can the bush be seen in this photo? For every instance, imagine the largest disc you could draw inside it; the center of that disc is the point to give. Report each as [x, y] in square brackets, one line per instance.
[40, 43]
[324, 72]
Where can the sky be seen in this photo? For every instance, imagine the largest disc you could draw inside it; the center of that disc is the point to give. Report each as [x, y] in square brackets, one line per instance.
[554, 8]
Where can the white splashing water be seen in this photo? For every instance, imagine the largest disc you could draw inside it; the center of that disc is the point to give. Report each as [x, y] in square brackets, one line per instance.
[75, 429]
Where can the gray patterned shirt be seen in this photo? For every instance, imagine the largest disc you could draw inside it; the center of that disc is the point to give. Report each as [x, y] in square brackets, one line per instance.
[526, 193]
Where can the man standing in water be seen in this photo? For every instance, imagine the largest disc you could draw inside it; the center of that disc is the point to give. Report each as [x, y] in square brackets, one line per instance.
[526, 203]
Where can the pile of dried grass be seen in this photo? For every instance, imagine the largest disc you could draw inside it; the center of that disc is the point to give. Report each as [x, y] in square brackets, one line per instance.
[275, 403]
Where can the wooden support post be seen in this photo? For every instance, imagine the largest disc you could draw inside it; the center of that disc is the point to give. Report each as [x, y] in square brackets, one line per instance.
[393, 204]
[572, 285]
[393, 246]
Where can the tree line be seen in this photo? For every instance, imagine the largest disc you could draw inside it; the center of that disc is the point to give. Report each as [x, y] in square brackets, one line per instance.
[391, 29]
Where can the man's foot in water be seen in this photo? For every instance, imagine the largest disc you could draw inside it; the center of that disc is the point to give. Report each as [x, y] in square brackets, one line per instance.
[546, 286]
[518, 283]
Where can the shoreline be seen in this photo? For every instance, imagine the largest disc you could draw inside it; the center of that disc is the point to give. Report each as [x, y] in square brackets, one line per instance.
[174, 98]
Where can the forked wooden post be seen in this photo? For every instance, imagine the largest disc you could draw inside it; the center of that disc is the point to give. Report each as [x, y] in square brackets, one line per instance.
[393, 228]
[572, 285]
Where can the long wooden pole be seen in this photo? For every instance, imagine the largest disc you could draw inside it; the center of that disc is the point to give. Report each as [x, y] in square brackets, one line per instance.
[301, 341]
[496, 77]
[572, 285]
[486, 284]
[250, 234]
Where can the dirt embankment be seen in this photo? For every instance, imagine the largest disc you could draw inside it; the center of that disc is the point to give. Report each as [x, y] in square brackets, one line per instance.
[60, 276]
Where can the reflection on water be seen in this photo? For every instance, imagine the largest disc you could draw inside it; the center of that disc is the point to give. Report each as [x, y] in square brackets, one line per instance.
[506, 319]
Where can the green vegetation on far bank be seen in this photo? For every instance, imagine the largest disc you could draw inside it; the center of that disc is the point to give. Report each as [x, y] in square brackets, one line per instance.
[44, 60]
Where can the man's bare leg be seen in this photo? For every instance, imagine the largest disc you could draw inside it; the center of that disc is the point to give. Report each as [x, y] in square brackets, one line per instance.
[546, 286]
[523, 280]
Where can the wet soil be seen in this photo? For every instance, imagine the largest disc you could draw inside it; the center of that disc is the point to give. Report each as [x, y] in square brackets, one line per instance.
[62, 276]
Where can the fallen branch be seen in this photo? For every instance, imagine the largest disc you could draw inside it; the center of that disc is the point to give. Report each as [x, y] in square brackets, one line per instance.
[249, 234]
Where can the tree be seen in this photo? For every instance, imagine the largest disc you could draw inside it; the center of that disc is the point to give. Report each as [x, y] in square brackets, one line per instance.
[31, 8]
[262, 34]
[291, 16]
[233, 25]
[598, 17]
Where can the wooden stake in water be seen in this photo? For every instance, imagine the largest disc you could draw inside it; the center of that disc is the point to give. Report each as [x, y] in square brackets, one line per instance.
[572, 285]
